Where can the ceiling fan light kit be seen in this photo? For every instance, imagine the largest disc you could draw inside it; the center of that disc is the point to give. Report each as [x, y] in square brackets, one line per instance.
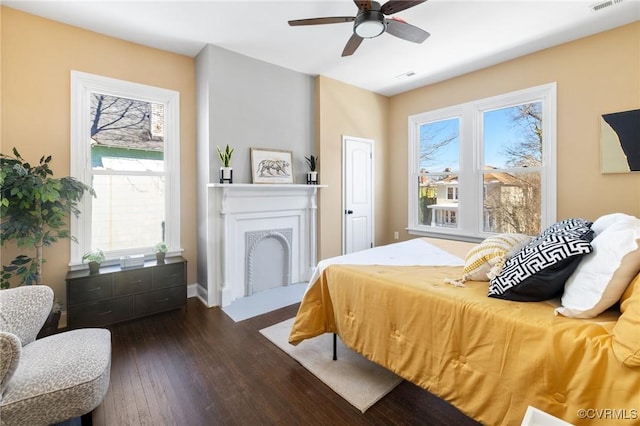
[370, 22]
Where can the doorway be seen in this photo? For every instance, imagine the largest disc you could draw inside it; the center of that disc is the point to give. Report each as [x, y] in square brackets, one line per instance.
[357, 190]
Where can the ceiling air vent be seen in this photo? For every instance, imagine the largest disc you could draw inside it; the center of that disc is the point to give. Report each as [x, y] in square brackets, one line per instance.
[604, 4]
[404, 75]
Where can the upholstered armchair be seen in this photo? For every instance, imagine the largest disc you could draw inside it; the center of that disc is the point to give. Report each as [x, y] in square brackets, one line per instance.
[53, 379]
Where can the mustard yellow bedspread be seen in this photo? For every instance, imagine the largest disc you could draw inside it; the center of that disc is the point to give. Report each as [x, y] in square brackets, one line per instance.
[491, 358]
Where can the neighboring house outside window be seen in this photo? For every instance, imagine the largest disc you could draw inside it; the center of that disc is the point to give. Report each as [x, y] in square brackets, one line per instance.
[444, 211]
[484, 167]
[125, 144]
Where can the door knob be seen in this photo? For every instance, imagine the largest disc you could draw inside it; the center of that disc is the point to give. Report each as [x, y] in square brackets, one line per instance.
[348, 211]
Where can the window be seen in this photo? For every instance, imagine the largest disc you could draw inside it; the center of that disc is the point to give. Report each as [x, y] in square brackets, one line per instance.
[452, 193]
[125, 144]
[484, 167]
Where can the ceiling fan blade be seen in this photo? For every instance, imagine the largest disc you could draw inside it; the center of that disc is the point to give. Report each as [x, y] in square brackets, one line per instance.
[352, 45]
[393, 6]
[363, 5]
[321, 21]
[406, 31]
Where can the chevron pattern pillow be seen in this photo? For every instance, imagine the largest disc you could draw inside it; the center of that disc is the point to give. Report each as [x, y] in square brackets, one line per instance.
[539, 271]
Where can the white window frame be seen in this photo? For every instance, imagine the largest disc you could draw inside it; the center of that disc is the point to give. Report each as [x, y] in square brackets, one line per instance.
[470, 212]
[82, 85]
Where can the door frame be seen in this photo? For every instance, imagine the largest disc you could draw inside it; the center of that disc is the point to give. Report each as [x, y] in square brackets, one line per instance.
[371, 142]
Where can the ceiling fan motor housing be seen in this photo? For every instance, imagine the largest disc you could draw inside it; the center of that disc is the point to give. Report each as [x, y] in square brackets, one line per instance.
[369, 23]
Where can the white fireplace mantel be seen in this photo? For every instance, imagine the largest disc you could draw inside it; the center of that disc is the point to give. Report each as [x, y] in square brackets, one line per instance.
[234, 210]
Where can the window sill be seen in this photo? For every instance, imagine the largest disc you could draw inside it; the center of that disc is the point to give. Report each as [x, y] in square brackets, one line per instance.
[445, 235]
[77, 266]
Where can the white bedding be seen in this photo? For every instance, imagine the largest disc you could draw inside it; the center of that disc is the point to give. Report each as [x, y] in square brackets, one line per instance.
[416, 252]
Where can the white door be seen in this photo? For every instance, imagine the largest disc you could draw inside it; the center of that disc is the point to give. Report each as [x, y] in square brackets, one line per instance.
[357, 180]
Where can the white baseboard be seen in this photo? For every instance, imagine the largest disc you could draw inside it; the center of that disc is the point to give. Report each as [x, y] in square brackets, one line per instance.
[192, 290]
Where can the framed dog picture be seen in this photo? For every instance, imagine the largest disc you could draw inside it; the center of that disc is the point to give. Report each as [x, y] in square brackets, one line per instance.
[271, 166]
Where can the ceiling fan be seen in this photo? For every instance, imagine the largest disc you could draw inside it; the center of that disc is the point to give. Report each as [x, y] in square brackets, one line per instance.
[370, 22]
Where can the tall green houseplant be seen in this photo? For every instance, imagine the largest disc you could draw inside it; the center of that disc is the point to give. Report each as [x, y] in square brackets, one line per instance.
[34, 207]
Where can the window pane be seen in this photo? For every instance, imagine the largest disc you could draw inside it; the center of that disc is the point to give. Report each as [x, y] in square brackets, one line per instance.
[513, 136]
[127, 135]
[439, 150]
[128, 212]
[126, 128]
[512, 202]
[438, 200]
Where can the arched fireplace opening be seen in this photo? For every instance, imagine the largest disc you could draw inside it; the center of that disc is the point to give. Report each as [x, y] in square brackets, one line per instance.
[268, 260]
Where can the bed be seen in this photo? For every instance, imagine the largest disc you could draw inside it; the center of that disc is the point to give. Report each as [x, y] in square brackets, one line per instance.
[491, 358]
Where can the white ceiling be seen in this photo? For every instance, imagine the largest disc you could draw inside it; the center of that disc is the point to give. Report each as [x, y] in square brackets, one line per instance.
[466, 35]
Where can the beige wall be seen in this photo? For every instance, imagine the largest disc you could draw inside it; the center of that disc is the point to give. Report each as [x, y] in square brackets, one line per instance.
[347, 110]
[37, 57]
[595, 75]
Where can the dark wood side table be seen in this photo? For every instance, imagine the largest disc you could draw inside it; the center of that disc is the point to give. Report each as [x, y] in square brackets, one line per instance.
[115, 294]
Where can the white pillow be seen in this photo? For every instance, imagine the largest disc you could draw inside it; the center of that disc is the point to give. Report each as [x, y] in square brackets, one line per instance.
[603, 275]
[607, 220]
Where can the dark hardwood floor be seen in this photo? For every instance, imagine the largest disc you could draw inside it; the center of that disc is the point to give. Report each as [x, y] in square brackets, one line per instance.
[195, 366]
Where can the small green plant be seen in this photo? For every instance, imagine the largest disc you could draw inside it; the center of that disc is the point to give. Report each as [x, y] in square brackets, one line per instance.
[225, 156]
[161, 247]
[96, 255]
[312, 162]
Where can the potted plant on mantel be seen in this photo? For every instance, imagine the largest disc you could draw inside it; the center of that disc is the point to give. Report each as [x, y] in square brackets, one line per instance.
[34, 207]
[312, 175]
[226, 171]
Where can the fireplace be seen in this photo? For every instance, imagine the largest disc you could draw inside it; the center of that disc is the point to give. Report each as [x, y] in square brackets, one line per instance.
[268, 260]
[258, 237]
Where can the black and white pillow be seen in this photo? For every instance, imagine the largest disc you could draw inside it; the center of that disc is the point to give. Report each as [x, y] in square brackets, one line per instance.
[539, 271]
[568, 226]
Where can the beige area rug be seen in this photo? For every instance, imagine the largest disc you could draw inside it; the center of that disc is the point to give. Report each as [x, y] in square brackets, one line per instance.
[361, 382]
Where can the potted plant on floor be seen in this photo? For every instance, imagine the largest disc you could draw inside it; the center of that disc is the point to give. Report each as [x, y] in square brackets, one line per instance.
[226, 171]
[34, 208]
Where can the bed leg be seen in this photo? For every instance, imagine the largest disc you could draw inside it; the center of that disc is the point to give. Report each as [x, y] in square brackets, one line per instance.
[335, 352]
